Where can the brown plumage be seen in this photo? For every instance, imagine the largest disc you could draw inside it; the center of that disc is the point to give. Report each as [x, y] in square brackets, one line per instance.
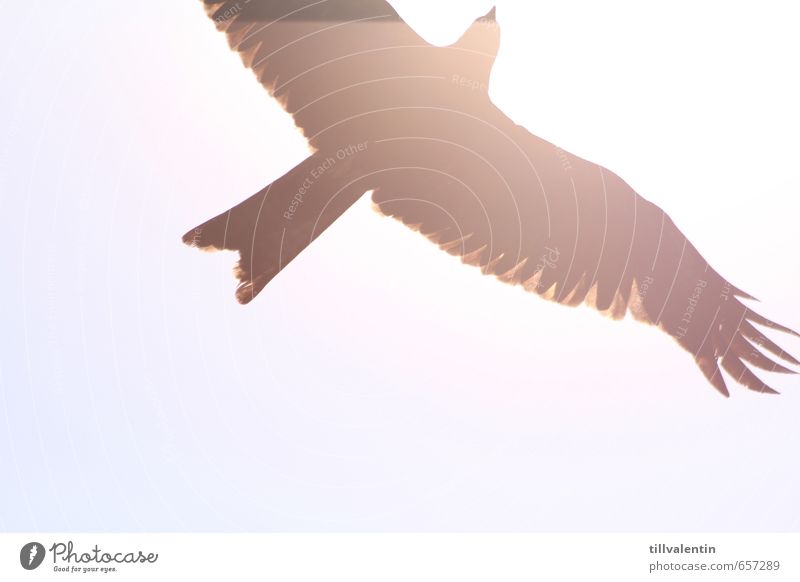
[385, 111]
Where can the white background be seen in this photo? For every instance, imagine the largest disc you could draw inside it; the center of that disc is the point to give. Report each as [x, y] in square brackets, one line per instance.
[136, 395]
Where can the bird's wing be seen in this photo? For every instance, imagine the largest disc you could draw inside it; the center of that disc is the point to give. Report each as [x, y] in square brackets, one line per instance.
[571, 231]
[329, 61]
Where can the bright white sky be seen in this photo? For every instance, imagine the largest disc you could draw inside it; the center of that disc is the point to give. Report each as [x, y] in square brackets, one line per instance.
[135, 394]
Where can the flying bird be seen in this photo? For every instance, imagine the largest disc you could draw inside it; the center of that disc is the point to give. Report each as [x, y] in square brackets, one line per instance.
[386, 112]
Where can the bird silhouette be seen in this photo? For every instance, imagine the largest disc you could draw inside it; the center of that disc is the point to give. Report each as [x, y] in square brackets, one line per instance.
[386, 112]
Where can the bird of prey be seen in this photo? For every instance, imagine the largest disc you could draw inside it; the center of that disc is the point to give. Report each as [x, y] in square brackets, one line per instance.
[386, 112]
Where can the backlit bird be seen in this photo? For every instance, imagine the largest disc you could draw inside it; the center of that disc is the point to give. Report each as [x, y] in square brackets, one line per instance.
[385, 111]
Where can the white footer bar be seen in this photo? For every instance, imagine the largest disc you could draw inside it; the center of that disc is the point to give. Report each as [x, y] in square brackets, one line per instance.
[400, 557]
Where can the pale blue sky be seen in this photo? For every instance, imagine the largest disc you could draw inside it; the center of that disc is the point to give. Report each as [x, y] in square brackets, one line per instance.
[137, 395]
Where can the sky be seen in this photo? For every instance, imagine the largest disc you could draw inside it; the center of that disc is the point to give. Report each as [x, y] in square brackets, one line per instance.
[137, 395]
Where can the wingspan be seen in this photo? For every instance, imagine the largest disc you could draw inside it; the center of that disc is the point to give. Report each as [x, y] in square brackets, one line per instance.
[447, 162]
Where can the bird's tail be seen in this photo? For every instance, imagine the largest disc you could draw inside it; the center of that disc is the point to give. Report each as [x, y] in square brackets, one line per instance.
[273, 226]
[238, 230]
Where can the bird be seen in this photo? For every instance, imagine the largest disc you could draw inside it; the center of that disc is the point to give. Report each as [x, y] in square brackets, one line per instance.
[386, 112]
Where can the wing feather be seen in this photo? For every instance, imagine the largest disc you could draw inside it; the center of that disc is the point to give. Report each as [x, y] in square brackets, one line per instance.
[331, 61]
[576, 233]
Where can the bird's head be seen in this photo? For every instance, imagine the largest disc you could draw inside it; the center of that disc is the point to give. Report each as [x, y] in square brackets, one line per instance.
[483, 35]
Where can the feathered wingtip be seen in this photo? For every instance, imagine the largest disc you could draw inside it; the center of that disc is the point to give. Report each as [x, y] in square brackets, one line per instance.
[732, 348]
